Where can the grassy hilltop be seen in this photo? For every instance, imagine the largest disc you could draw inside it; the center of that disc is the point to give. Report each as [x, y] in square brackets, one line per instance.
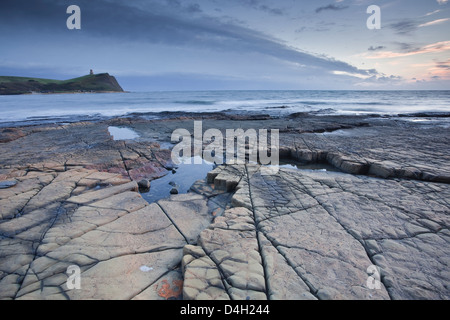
[102, 82]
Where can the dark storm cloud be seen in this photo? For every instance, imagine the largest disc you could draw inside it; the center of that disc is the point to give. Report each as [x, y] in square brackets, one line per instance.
[331, 7]
[18, 15]
[167, 23]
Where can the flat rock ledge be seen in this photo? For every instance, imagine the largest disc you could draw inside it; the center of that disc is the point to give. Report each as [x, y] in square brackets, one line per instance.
[317, 235]
[125, 247]
[69, 197]
[243, 233]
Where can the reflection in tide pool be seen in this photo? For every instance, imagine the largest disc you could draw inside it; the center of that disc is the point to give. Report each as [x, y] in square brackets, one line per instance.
[120, 133]
[183, 177]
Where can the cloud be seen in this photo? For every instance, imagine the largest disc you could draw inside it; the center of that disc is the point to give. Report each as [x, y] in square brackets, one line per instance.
[274, 11]
[381, 81]
[372, 48]
[257, 5]
[438, 21]
[433, 12]
[194, 8]
[322, 26]
[158, 24]
[331, 7]
[404, 27]
[443, 64]
[442, 1]
[407, 47]
[431, 48]
[407, 26]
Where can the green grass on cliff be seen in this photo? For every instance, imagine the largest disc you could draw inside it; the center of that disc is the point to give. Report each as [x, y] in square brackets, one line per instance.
[9, 79]
[90, 83]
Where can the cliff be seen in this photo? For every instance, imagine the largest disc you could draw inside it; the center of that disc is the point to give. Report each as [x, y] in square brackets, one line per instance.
[91, 83]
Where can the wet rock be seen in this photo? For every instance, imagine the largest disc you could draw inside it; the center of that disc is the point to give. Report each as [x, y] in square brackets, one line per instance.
[10, 134]
[7, 184]
[144, 184]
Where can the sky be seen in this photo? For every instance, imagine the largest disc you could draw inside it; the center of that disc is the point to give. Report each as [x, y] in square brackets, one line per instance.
[151, 45]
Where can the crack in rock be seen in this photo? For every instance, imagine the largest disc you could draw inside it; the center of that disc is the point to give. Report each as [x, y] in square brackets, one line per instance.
[240, 234]
[321, 231]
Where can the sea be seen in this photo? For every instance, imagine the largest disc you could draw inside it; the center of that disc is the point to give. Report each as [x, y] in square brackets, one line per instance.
[56, 108]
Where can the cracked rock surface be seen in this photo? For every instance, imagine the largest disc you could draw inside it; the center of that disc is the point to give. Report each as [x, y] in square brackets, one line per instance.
[123, 245]
[313, 235]
[69, 197]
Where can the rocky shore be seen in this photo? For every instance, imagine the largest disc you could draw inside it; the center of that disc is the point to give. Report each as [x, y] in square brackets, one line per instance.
[69, 195]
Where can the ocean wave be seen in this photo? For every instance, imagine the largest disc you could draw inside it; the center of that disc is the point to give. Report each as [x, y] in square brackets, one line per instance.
[343, 102]
[367, 103]
[314, 103]
[196, 102]
[278, 103]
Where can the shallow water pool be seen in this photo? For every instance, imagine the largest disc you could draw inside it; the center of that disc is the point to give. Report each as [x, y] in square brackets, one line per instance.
[183, 177]
[121, 133]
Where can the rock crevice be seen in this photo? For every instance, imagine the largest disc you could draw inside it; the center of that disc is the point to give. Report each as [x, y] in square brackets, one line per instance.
[320, 230]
